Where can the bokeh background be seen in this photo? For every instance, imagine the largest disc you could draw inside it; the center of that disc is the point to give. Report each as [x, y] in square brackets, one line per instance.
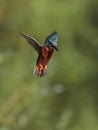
[67, 98]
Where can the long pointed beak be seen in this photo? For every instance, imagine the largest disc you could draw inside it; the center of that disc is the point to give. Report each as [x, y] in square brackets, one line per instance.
[55, 48]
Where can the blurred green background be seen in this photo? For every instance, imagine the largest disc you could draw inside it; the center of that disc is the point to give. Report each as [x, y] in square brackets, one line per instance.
[66, 99]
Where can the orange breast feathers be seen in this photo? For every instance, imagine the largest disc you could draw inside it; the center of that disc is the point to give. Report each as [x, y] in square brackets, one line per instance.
[45, 56]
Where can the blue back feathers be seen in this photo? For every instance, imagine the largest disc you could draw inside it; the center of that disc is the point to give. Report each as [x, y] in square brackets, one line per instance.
[52, 39]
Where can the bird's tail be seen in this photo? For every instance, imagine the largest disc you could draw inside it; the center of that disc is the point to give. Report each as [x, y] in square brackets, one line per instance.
[39, 71]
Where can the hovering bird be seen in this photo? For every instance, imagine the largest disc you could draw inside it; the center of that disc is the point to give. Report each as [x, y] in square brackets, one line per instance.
[44, 52]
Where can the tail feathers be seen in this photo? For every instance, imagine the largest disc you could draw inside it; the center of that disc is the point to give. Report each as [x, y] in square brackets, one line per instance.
[39, 72]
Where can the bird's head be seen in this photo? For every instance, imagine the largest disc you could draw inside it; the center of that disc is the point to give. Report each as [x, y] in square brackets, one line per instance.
[51, 40]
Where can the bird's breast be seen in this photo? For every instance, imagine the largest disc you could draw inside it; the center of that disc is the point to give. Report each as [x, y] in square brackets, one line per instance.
[45, 51]
[45, 55]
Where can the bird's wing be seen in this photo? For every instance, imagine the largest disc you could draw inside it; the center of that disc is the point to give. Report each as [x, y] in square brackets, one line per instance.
[33, 42]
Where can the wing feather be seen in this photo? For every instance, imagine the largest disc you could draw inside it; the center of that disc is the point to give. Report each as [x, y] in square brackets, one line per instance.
[33, 42]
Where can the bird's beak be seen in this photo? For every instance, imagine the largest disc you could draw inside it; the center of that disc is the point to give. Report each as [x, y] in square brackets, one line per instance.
[55, 48]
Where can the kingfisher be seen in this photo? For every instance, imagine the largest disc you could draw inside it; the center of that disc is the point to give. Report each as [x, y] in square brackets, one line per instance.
[44, 52]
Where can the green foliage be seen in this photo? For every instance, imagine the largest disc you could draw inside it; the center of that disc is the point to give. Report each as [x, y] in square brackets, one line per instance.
[67, 97]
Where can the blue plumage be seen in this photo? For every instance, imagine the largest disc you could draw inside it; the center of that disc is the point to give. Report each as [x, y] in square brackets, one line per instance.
[52, 39]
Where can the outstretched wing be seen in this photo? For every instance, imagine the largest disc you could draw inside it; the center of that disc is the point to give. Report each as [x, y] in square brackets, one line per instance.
[32, 42]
